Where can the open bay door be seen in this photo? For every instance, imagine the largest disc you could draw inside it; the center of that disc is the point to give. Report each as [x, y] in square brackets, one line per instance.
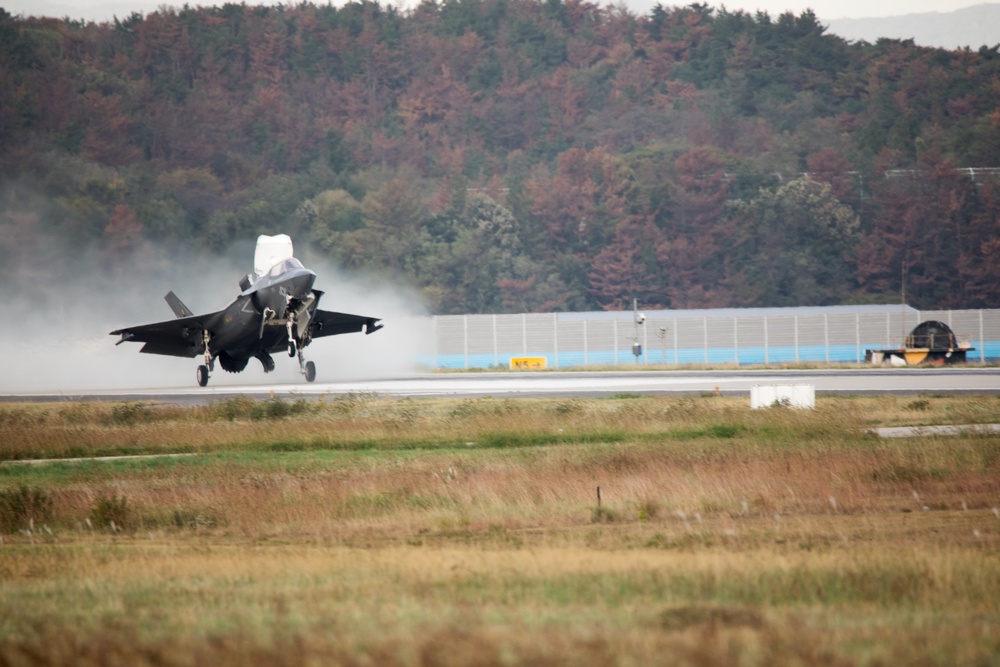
[270, 251]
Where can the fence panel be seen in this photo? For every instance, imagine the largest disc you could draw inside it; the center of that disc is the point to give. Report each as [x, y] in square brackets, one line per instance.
[751, 340]
[872, 331]
[692, 340]
[510, 337]
[450, 337]
[990, 334]
[781, 334]
[572, 341]
[540, 336]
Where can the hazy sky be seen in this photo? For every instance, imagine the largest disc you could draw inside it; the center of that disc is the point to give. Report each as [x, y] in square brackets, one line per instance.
[825, 9]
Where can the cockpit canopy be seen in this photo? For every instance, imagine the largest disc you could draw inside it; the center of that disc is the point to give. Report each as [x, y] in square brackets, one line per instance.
[284, 266]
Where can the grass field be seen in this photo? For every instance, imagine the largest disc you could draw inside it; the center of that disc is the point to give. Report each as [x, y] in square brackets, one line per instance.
[370, 531]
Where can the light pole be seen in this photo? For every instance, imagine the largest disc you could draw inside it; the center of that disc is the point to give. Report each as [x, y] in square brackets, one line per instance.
[662, 333]
[638, 319]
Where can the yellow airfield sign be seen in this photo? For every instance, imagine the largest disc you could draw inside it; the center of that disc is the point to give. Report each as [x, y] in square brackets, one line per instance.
[527, 363]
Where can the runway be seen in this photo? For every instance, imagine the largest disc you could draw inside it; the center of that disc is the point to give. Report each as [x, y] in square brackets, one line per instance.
[570, 384]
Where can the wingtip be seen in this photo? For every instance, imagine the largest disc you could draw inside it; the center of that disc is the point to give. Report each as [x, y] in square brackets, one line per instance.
[125, 336]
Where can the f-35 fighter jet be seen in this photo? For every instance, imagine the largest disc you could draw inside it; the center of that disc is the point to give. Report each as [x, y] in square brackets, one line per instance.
[275, 311]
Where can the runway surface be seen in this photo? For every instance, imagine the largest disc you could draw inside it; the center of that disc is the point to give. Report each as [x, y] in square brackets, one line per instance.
[568, 384]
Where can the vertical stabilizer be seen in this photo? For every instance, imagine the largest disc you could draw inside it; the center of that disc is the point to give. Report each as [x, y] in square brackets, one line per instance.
[270, 251]
[180, 310]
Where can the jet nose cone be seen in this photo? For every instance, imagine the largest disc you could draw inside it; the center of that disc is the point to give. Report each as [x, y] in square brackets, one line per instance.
[299, 284]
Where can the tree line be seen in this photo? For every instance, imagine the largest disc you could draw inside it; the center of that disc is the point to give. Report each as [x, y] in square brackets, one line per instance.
[515, 155]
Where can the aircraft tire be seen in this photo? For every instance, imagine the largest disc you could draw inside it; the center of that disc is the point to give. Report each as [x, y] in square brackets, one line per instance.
[291, 349]
[202, 375]
[310, 371]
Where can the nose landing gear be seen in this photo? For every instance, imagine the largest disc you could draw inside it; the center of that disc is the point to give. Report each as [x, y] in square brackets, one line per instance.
[307, 368]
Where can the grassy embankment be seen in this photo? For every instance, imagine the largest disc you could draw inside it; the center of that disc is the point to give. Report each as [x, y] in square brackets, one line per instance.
[371, 531]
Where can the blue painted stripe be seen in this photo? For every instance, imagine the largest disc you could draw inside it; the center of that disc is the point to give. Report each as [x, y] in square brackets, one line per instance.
[686, 356]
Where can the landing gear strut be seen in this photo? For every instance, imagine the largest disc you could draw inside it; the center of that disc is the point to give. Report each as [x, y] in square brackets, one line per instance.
[205, 369]
[291, 336]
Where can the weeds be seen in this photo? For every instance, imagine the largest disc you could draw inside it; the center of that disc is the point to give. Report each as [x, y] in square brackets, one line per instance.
[682, 618]
[127, 414]
[603, 515]
[112, 512]
[23, 507]
[244, 407]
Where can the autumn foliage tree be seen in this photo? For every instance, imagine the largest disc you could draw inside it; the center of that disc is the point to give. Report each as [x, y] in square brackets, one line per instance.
[656, 155]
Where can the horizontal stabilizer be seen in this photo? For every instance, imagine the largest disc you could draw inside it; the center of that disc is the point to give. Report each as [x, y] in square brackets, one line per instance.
[326, 323]
[180, 310]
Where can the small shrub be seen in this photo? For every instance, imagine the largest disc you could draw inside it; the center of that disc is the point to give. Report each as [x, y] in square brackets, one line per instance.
[906, 474]
[682, 618]
[79, 413]
[603, 515]
[725, 431]
[568, 408]
[648, 509]
[193, 520]
[20, 507]
[127, 414]
[232, 409]
[918, 405]
[111, 511]
[272, 408]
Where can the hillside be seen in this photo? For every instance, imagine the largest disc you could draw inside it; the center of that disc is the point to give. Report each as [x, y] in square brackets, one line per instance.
[510, 155]
[971, 27]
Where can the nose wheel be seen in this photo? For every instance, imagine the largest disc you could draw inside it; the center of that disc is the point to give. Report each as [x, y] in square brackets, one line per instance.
[307, 368]
[202, 376]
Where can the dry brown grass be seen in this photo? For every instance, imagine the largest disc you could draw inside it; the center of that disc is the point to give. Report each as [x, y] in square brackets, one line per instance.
[370, 531]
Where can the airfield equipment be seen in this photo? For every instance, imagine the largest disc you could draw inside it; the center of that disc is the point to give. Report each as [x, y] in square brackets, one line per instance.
[932, 342]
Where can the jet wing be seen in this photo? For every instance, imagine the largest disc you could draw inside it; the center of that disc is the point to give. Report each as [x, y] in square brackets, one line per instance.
[181, 337]
[326, 323]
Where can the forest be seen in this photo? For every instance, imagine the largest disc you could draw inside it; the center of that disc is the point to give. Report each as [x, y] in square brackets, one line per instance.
[513, 155]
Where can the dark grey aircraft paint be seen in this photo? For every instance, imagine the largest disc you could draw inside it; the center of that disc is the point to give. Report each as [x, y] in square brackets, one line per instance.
[276, 312]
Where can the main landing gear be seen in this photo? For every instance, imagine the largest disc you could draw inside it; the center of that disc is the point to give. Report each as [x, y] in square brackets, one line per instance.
[307, 368]
[294, 348]
[209, 365]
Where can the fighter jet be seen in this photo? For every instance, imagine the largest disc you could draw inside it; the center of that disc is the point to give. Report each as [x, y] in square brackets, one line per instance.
[277, 310]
